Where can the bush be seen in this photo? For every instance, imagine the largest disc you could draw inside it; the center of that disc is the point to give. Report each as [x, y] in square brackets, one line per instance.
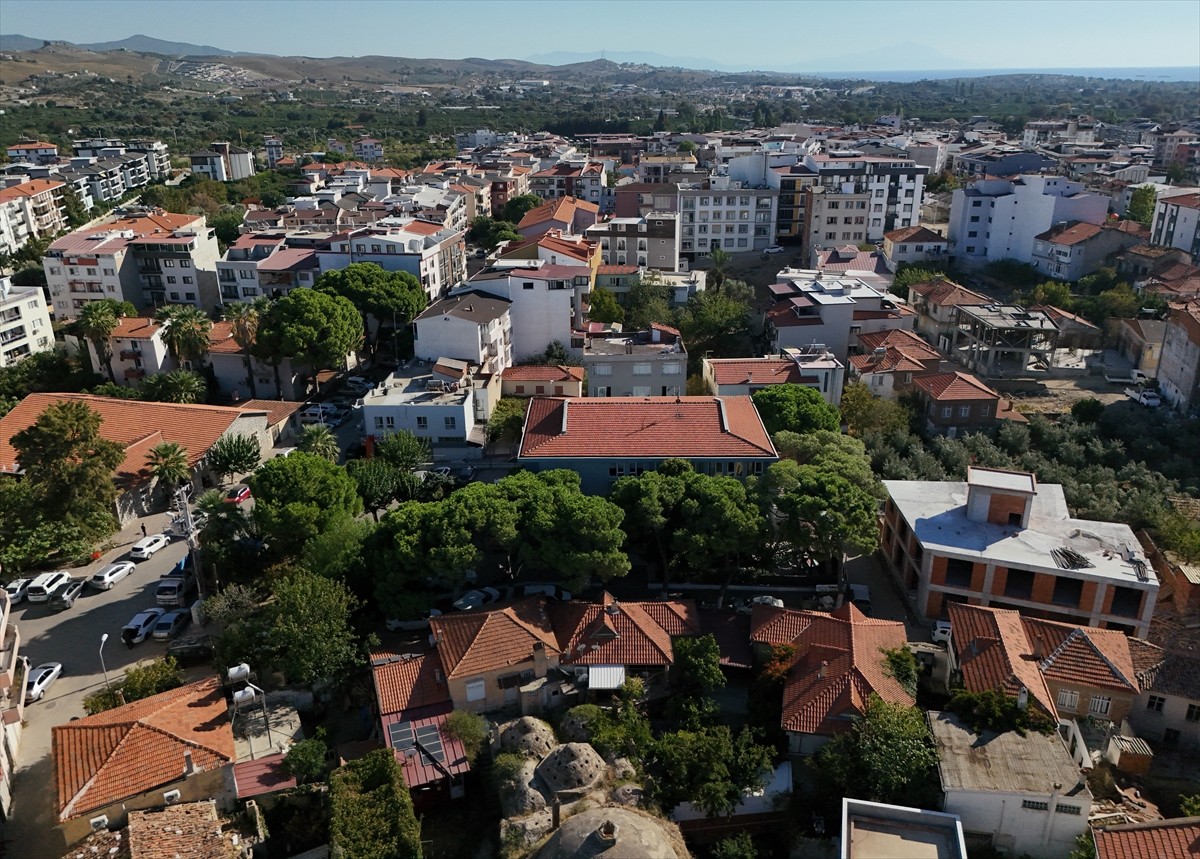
[371, 811]
[902, 665]
[305, 760]
[992, 710]
[470, 729]
[141, 681]
[507, 767]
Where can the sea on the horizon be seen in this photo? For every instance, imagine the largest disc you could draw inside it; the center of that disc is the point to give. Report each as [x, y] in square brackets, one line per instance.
[1162, 74]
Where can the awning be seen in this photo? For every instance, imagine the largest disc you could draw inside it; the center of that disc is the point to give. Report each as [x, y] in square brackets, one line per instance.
[606, 676]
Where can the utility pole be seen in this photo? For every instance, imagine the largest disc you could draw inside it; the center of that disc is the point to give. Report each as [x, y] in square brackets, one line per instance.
[181, 498]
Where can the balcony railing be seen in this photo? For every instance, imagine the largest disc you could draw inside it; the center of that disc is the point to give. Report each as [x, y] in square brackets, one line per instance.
[135, 373]
[12, 336]
[130, 354]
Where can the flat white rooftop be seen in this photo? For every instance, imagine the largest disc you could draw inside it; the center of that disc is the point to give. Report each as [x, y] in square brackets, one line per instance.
[937, 513]
[1006, 481]
[873, 830]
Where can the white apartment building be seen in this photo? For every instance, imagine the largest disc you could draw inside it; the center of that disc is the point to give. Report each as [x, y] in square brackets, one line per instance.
[1177, 221]
[470, 326]
[547, 300]
[138, 351]
[435, 254]
[428, 407]
[259, 264]
[147, 259]
[636, 364]
[33, 152]
[223, 162]
[368, 149]
[997, 219]
[434, 202]
[158, 156]
[274, 147]
[727, 214]
[24, 322]
[30, 210]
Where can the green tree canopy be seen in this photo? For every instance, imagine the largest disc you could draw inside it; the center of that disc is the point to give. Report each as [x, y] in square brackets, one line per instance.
[388, 296]
[297, 496]
[716, 322]
[516, 207]
[371, 812]
[234, 454]
[319, 440]
[377, 480]
[508, 419]
[818, 510]
[175, 386]
[185, 331]
[168, 464]
[1142, 201]
[710, 768]
[795, 408]
[308, 627]
[404, 450]
[313, 328]
[97, 321]
[864, 413]
[603, 306]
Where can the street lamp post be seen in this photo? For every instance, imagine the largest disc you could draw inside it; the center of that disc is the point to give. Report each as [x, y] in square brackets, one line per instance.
[103, 639]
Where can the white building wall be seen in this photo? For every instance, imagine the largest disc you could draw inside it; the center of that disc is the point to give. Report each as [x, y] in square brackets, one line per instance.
[1041, 834]
[381, 417]
[448, 336]
[24, 322]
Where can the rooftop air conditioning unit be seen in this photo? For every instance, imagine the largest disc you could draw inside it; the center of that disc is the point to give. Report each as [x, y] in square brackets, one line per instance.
[172, 796]
[98, 823]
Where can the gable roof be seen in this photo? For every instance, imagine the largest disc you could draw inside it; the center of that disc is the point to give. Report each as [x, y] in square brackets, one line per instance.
[758, 371]
[915, 234]
[954, 386]
[28, 189]
[838, 664]
[1170, 673]
[405, 682]
[472, 306]
[562, 209]
[542, 373]
[947, 293]
[1178, 838]
[621, 633]
[135, 328]
[102, 759]
[1070, 234]
[136, 425]
[579, 427]
[474, 642]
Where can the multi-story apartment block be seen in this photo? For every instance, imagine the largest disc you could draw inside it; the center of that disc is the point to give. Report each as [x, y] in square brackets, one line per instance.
[33, 152]
[656, 169]
[1050, 132]
[30, 210]
[636, 364]
[584, 182]
[148, 259]
[651, 241]
[470, 326]
[1002, 539]
[1179, 364]
[24, 322]
[1177, 222]
[223, 162]
[547, 300]
[430, 407]
[12, 702]
[435, 254]
[726, 214]
[158, 156]
[368, 149]
[262, 263]
[998, 219]
[274, 149]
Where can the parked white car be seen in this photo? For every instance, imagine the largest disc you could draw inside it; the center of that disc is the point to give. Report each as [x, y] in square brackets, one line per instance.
[941, 632]
[477, 598]
[17, 589]
[110, 575]
[142, 624]
[39, 680]
[144, 549]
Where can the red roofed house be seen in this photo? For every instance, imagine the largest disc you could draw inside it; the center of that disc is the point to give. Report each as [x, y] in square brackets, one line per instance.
[1074, 249]
[137, 349]
[1177, 838]
[913, 246]
[891, 360]
[812, 367]
[610, 437]
[534, 380]
[1179, 365]
[564, 213]
[414, 701]
[138, 426]
[956, 403]
[838, 665]
[1069, 671]
[129, 757]
[936, 303]
[33, 152]
[585, 181]
[29, 211]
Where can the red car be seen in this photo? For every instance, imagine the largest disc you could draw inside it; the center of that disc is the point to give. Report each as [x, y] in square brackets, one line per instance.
[237, 494]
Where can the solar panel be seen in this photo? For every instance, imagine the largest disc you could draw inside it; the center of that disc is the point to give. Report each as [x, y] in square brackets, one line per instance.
[405, 737]
[431, 741]
[401, 735]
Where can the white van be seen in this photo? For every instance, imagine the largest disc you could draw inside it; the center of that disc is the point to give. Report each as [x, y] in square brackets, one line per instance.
[44, 586]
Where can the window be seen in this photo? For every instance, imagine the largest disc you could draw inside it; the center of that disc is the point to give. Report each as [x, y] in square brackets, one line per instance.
[1155, 703]
[964, 411]
[422, 422]
[528, 284]
[602, 369]
[1067, 591]
[1035, 805]
[174, 296]
[1193, 713]
[1100, 705]
[390, 422]
[475, 690]
[959, 572]
[170, 279]
[641, 369]
[108, 272]
[641, 390]
[1170, 737]
[187, 279]
[1068, 699]
[671, 369]
[947, 411]
[378, 422]
[185, 263]
[190, 296]
[1019, 584]
[1068, 809]
[168, 263]
[451, 423]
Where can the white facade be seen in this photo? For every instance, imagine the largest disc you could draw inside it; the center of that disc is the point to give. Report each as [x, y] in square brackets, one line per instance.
[368, 149]
[138, 351]
[546, 302]
[77, 274]
[1177, 221]
[34, 152]
[998, 219]
[444, 417]
[30, 210]
[274, 147]
[434, 254]
[727, 215]
[24, 322]
[468, 326]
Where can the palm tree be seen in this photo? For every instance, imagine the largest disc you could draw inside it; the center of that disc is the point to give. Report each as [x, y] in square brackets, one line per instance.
[185, 331]
[719, 260]
[318, 440]
[168, 464]
[244, 317]
[97, 321]
[177, 386]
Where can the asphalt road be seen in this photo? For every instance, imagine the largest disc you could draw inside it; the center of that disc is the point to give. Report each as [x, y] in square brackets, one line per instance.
[72, 637]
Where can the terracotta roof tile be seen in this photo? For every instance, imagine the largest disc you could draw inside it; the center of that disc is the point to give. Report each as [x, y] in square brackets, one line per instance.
[1178, 838]
[621, 633]
[1171, 673]
[135, 328]
[1072, 234]
[994, 653]
[954, 386]
[264, 775]
[914, 234]
[473, 642]
[28, 189]
[102, 759]
[406, 682]
[838, 664]
[759, 371]
[947, 293]
[277, 410]
[644, 426]
[543, 373]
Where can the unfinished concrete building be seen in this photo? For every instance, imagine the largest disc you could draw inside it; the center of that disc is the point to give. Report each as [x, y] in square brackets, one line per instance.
[1005, 340]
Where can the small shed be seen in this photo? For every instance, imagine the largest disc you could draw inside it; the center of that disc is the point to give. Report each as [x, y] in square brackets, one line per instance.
[1130, 755]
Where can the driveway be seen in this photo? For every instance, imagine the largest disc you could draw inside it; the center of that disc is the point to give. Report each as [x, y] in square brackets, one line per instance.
[72, 637]
[886, 599]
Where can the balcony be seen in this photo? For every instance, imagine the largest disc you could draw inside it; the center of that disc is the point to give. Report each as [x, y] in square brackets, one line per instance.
[12, 335]
[135, 373]
[130, 354]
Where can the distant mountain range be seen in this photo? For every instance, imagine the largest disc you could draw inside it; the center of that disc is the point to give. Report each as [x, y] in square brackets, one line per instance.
[140, 44]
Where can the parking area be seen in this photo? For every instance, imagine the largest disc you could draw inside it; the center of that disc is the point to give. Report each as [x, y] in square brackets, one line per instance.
[72, 637]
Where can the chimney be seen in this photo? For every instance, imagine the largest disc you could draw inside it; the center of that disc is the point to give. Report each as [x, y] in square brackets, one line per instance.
[1039, 648]
[821, 672]
[539, 659]
[189, 766]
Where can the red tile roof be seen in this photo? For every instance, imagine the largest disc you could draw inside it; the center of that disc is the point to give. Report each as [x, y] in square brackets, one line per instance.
[542, 373]
[1072, 234]
[277, 410]
[922, 235]
[135, 328]
[563, 209]
[134, 424]
[621, 633]
[758, 371]
[838, 664]
[644, 426]
[102, 759]
[405, 682]
[617, 269]
[28, 189]
[944, 387]
[474, 642]
[1178, 838]
[1188, 201]
[947, 293]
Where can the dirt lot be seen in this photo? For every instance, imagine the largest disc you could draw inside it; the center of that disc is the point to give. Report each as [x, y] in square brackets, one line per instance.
[1056, 396]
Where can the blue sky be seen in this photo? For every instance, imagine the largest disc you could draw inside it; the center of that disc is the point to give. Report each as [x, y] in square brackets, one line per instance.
[774, 34]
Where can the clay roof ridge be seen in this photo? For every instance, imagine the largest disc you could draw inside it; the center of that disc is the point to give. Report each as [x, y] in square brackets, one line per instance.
[1079, 634]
